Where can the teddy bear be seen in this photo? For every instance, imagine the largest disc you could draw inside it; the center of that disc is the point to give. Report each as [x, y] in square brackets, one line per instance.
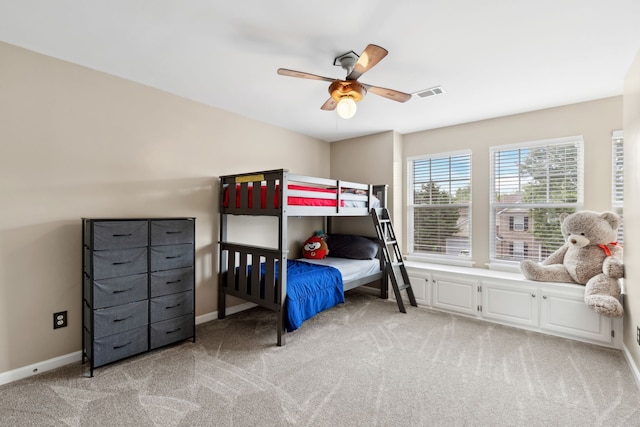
[315, 247]
[590, 256]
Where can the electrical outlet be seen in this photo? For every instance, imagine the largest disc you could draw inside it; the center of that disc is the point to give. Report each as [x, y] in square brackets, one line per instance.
[59, 319]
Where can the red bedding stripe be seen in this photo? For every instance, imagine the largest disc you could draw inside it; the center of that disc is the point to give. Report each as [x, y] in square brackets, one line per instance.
[292, 201]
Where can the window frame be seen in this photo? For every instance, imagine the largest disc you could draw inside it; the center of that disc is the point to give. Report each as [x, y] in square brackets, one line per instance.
[513, 265]
[617, 178]
[464, 258]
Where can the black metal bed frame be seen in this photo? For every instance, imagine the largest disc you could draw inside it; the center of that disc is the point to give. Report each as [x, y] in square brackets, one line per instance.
[239, 263]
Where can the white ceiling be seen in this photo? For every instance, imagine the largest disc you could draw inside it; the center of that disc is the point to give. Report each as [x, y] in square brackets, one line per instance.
[492, 57]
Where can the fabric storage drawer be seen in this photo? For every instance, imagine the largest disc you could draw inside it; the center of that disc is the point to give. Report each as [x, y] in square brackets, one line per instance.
[172, 232]
[118, 290]
[117, 263]
[170, 306]
[171, 281]
[108, 321]
[170, 257]
[172, 330]
[120, 234]
[115, 347]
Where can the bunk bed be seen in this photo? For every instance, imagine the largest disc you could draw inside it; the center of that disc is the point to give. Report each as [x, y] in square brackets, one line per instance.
[278, 193]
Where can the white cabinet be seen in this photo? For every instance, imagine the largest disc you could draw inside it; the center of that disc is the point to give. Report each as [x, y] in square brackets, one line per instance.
[455, 293]
[515, 305]
[509, 299]
[421, 285]
[565, 313]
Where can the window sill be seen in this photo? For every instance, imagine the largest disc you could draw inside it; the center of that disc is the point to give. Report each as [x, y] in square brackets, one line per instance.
[437, 260]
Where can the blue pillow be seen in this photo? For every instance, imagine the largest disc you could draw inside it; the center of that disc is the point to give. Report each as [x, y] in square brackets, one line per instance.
[352, 247]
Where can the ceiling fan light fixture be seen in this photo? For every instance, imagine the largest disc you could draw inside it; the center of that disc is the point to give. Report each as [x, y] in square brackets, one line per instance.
[346, 107]
[345, 93]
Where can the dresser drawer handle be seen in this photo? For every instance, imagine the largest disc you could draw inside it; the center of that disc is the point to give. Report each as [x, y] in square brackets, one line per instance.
[174, 331]
[172, 306]
[174, 232]
[174, 281]
[119, 291]
[122, 235]
[121, 320]
[172, 257]
[123, 345]
[121, 262]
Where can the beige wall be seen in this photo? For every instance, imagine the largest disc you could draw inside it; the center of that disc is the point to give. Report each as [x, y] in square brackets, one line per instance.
[79, 143]
[372, 159]
[595, 120]
[632, 207]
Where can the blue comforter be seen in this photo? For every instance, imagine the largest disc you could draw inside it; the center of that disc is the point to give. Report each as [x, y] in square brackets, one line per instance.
[310, 290]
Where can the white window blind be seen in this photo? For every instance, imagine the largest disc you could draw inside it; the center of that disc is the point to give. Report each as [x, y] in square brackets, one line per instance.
[439, 206]
[531, 185]
[617, 179]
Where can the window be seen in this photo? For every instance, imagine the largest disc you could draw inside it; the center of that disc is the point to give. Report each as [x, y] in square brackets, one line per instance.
[519, 250]
[519, 223]
[531, 185]
[439, 206]
[617, 192]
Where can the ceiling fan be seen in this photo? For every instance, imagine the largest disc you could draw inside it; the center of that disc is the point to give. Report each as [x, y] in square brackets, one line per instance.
[345, 93]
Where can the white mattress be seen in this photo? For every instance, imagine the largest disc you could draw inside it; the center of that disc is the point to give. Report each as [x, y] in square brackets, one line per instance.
[351, 269]
[375, 203]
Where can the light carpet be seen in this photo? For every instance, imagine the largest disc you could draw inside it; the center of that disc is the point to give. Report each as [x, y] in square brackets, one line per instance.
[361, 363]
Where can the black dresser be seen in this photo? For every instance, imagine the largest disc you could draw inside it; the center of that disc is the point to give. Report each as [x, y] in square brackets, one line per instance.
[138, 286]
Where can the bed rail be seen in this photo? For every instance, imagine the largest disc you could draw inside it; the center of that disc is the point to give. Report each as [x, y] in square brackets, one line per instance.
[255, 274]
[283, 193]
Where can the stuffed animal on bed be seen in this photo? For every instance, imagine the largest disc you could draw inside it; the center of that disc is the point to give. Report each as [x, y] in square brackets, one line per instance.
[590, 256]
[315, 247]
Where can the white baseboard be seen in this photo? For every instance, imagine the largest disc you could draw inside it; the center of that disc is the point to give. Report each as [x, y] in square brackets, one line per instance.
[76, 356]
[203, 318]
[36, 368]
[632, 365]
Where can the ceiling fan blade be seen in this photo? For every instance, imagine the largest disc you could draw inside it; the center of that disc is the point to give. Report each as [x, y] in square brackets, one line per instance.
[329, 105]
[302, 75]
[396, 95]
[370, 57]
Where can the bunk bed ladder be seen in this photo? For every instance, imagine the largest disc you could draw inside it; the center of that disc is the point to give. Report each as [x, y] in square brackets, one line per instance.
[396, 269]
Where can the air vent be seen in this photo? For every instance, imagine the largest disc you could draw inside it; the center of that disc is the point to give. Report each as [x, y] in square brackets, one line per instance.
[437, 90]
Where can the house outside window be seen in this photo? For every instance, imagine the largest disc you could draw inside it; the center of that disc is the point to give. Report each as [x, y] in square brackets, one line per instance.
[531, 185]
[439, 207]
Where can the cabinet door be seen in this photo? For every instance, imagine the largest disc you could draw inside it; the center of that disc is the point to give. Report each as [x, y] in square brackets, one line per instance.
[508, 303]
[455, 294]
[566, 314]
[421, 290]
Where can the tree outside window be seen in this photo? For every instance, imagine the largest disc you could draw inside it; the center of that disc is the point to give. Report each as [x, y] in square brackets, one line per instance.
[532, 185]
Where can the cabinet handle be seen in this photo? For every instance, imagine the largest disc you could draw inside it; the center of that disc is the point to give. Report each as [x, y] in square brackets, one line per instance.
[121, 262]
[174, 281]
[122, 235]
[172, 257]
[122, 320]
[120, 346]
[533, 295]
[174, 232]
[544, 297]
[174, 331]
[172, 306]
[121, 291]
